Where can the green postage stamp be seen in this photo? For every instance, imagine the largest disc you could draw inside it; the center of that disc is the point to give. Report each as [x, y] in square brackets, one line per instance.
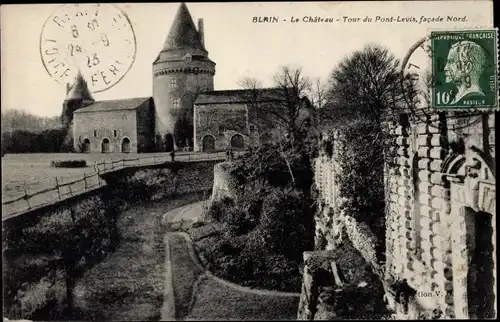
[464, 69]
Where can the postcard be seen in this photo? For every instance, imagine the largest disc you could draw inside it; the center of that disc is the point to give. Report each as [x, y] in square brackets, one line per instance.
[250, 160]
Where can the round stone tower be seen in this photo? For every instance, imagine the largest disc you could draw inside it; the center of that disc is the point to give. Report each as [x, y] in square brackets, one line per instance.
[180, 72]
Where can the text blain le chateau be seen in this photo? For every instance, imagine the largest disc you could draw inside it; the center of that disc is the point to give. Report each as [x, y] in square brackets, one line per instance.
[366, 19]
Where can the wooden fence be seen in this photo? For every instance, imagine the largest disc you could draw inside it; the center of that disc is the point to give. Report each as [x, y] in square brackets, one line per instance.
[61, 191]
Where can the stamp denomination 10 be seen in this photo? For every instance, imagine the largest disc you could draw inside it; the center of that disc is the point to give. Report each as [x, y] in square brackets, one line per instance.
[97, 39]
[464, 69]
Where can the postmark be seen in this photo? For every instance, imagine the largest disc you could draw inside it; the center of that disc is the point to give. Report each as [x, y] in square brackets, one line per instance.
[464, 69]
[420, 63]
[96, 39]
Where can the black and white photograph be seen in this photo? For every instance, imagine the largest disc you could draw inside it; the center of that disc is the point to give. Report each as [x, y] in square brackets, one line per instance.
[249, 160]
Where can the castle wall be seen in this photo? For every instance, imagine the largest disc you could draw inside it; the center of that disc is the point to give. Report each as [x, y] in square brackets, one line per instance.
[441, 172]
[222, 122]
[105, 123]
[439, 189]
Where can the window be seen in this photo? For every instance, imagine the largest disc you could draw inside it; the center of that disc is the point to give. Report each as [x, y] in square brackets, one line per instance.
[173, 83]
[95, 133]
[221, 130]
[115, 133]
[175, 103]
[252, 128]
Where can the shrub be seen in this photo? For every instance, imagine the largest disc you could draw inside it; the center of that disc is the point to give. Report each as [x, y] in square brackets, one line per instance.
[205, 231]
[269, 224]
[217, 209]
[287, 222]
[69, 164]
[21, 141]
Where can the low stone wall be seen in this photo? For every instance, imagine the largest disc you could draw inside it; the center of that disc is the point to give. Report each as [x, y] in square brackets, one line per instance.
[344, 246]
[225, 185]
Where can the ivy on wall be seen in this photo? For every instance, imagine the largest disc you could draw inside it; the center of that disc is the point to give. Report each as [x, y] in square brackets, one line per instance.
[358, 149]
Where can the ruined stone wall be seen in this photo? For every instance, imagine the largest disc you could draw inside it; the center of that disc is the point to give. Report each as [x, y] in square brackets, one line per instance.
[341, 277]
[444, 175]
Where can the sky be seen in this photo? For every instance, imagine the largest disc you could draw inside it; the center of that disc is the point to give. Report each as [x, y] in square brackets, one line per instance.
[239, 46]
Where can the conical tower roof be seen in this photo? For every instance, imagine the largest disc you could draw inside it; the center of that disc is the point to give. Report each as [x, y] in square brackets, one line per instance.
[79, 90]
[183, 33]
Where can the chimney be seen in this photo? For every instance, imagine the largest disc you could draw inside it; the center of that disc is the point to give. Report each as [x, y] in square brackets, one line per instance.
[201, 31]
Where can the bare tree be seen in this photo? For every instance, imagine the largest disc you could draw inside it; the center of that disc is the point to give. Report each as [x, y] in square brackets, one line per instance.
[293, 86]
[319, 100]
[254, 98]
[283, 107]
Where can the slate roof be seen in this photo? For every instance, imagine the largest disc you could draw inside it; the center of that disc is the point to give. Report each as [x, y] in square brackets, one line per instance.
[79, 90]
[114, 105]
[183, 33]
[238, 96]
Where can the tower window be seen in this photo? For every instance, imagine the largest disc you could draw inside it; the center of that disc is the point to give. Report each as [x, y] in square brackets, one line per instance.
[221, 130]
[173, 83]
[115, 133]
[95, 133]
[175, 103]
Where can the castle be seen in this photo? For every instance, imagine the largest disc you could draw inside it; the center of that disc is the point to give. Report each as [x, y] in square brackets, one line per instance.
[184, 112]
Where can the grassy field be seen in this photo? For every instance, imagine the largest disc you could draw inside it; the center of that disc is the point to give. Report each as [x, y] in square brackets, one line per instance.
[33, 171]
[214, 301]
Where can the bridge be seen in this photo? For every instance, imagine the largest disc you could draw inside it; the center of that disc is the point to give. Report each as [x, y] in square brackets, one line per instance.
[93, 181]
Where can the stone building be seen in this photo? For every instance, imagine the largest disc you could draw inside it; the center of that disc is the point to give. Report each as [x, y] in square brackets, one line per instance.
[187, 111]
[123, 126]
[180, 72]
[440, 257]
[227, 118]
[115, 126]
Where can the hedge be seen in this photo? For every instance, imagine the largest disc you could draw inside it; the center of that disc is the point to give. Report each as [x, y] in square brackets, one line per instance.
[69, 164]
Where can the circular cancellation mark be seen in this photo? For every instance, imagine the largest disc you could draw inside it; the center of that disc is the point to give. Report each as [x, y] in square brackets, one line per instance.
[97, 40]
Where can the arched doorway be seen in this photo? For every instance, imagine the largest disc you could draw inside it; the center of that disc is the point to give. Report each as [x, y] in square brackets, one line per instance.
[168, 142]
[208, 143]
[237, 141]
[86, 146]
[125, 145]
[105, 145]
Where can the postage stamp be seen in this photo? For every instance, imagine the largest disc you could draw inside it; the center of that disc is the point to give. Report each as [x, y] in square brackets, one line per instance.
[96, 39]
[464, 69]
